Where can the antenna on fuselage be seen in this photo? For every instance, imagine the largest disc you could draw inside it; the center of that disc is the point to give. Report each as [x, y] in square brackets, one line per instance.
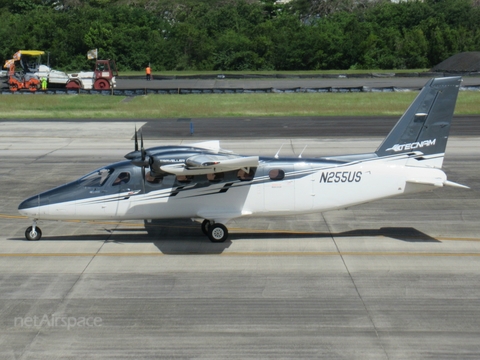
[300, 156]
[278, 152]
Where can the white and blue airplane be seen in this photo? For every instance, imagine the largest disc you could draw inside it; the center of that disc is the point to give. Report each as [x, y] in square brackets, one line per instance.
[210, 185]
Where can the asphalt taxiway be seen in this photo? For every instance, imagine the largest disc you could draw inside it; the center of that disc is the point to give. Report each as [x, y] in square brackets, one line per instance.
[393, 279]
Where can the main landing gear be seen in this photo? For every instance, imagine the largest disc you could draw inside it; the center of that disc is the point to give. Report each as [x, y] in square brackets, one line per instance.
[33, 233]
[216, 232]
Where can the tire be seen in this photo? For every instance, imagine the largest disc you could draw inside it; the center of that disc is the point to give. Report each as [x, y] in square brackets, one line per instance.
[33, 236]
[205, 226]
[217, 233]
[32, 87]
[73, 85]
[101, 84]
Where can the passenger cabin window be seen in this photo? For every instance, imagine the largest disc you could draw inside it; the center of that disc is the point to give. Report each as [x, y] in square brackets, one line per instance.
[276, 174]
[122, 178]
[215, 177]
[242, 175]
[184, 179]
[153, 179]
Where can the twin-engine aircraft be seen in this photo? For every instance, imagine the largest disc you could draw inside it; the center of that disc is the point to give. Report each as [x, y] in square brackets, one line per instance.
[213, 186]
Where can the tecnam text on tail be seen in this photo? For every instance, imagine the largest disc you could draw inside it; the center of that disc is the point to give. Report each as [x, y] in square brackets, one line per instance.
[213, 186]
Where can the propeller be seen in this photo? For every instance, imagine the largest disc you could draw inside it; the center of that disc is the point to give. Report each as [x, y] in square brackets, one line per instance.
[144, 158]
[144, 154]
[139, 157]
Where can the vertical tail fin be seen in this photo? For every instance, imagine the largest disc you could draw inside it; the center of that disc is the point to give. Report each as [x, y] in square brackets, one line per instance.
[426, 124]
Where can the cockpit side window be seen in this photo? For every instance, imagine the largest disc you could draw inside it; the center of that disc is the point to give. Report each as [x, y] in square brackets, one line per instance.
[96, 179]
[122, 178]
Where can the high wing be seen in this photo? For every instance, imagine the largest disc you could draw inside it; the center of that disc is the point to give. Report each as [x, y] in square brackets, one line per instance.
[200, 158]
[212, 145]
[211, 163]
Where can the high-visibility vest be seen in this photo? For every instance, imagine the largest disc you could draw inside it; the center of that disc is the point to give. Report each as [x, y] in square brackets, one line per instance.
[148, 70]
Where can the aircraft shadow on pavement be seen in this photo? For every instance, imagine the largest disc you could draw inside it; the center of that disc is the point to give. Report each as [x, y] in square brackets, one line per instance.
[407, 234]
[189, 240]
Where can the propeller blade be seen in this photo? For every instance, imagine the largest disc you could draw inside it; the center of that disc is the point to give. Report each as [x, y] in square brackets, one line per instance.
[144, 153]
[136, 139]
[143, 177]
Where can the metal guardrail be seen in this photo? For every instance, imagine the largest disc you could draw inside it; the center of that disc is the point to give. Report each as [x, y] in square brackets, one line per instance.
[300, 76]
[185, 91]
[189, 91]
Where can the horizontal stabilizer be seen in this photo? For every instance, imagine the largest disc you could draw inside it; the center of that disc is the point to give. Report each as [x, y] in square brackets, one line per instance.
[438, 183]
[426, 182]
[454, 184]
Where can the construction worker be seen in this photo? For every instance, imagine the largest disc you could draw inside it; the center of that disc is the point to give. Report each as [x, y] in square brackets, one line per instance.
[44, 83]
[148, 72]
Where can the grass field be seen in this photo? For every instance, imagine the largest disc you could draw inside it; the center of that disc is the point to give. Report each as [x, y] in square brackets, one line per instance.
[219, 105]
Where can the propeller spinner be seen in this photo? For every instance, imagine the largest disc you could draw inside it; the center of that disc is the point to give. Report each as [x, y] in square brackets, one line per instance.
[139, 158]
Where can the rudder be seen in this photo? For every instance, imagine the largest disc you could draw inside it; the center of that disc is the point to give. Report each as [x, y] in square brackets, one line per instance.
[425, 125]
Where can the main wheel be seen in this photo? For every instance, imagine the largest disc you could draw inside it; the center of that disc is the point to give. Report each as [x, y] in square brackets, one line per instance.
[101, 84]
[217, 233]
[32, 235]
[205, 226]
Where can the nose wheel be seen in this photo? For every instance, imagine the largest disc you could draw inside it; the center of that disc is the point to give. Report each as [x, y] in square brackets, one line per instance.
[33, 233]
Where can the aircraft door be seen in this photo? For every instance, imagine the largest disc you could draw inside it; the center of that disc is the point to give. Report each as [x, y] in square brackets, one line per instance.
[304, 187]
[279, 188]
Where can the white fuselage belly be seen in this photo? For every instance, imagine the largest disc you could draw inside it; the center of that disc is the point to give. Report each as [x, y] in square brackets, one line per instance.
[326, 189]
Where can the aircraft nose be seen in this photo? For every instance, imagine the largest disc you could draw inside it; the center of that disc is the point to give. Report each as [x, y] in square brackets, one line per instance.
[29, 206]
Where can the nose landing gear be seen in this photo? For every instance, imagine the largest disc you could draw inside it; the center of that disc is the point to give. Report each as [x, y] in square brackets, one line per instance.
[33, 233]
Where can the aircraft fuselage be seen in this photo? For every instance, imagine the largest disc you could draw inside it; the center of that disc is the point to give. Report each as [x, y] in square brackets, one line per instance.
[275, 187]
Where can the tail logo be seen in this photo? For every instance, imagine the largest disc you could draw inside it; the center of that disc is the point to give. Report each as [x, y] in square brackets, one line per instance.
[412, 146]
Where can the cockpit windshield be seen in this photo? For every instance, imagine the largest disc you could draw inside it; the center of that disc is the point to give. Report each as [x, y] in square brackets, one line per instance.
[97, 178]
